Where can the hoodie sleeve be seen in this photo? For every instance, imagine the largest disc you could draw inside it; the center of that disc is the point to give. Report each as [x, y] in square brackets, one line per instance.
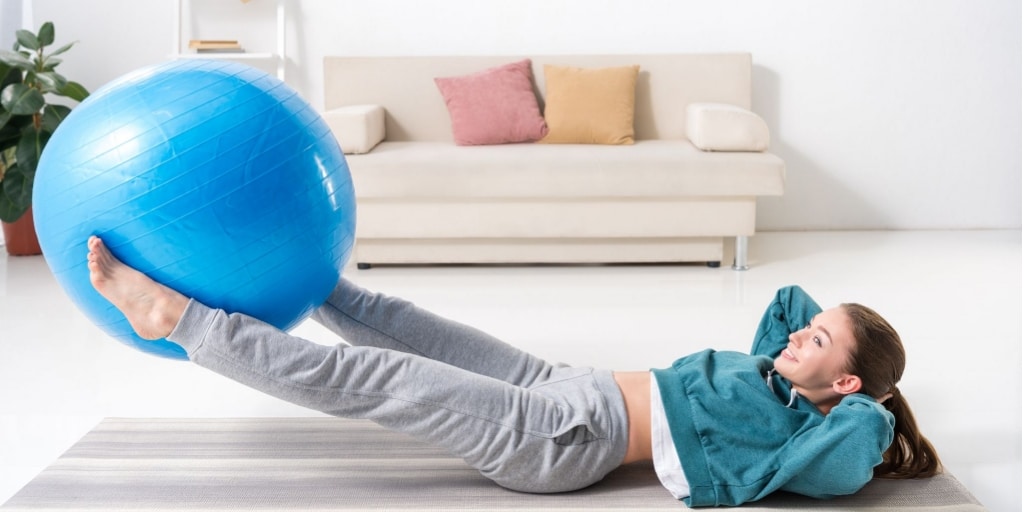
[790, 310]
[838, 456]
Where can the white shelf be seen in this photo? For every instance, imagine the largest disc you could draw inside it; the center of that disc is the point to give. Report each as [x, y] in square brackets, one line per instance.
[229, 56]
[278, 57]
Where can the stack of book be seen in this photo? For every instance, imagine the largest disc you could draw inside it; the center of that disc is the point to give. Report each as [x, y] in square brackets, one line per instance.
[215, 46]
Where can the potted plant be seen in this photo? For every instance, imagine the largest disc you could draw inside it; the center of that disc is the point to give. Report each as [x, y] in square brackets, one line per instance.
[27, 76]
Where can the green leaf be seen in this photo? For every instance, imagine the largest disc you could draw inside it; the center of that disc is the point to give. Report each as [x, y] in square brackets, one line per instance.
[27, 39]
[8, 75]
[40, 81]
[46, 34]
[62, 49]
[21, 99]
[15, 194]
[29, 148]
[51, 81]
[17, 60]
[74, 90]
[53, 115]
[10, 134]
[4, 117]
[50, 62]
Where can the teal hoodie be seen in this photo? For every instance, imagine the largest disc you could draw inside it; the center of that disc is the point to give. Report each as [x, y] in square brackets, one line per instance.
[740, 438]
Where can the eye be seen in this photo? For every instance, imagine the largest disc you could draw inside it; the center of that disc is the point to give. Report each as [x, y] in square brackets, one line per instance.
[816, 340]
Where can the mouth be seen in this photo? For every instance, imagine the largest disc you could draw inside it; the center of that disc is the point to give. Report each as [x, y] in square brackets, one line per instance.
[788, 354]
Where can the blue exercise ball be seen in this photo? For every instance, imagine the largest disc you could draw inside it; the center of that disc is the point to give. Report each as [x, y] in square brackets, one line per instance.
[211, 177]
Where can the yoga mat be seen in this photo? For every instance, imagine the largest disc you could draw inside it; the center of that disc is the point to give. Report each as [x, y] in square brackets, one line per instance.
[285, 464]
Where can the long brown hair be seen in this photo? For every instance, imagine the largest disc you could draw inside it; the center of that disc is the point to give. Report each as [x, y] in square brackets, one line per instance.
[878, 359]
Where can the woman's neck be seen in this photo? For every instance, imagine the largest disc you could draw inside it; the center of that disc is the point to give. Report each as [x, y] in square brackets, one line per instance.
[823, 399]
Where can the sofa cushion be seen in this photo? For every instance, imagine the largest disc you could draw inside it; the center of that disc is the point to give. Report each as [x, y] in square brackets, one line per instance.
[493, 106]
[723, 127]
[590, 105]
[649, 168]
[358, 128]
[405, 86]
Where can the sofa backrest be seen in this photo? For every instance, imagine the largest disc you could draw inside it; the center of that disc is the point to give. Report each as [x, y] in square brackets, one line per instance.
[405, 87]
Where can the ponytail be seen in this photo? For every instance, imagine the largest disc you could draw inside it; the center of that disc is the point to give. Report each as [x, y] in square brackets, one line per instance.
[878, 359]
[910, 455]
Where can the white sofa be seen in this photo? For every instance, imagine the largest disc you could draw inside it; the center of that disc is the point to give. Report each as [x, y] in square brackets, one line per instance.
[421, 199]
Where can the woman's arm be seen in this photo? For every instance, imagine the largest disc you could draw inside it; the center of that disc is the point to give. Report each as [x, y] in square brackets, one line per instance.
[790, 311]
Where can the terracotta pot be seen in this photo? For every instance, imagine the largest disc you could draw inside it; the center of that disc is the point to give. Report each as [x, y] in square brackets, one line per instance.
[20, 236]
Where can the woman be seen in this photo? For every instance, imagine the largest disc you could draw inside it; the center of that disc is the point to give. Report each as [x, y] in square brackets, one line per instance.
[814, 409]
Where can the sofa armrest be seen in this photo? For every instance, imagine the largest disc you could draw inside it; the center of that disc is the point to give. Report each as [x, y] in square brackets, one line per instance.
[358, 128]
[723, 127]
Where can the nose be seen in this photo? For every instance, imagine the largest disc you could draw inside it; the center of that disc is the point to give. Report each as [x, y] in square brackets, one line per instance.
[794, 338]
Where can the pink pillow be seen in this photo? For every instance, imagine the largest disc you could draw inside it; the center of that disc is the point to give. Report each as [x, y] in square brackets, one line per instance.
[493, 106]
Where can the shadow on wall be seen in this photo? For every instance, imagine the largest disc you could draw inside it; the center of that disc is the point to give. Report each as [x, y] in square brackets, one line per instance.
[814, 198]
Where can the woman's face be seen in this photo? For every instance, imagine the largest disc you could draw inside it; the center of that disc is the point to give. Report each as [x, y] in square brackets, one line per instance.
[816, 358]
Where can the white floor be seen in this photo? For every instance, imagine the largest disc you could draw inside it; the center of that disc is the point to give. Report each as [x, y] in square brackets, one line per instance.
[954, 296]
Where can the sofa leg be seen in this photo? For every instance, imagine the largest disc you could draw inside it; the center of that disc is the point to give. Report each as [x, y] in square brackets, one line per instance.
[740, 260]
[363, 266]
[714, 264]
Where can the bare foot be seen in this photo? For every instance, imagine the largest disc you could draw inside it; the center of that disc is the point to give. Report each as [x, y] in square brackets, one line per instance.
[151, 308]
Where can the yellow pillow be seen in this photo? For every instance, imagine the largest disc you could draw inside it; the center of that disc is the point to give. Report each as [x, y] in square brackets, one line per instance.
[589, 106]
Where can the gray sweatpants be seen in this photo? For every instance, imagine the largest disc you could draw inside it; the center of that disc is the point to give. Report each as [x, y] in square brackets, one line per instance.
[523, 423]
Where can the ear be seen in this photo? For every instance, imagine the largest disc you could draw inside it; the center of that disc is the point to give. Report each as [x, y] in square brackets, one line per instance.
[846, 384]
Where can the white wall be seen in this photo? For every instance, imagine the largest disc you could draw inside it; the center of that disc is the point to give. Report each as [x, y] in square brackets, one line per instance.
[890, 115]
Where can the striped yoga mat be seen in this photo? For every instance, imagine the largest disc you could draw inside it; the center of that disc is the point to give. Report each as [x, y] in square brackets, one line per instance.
[284, 464]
